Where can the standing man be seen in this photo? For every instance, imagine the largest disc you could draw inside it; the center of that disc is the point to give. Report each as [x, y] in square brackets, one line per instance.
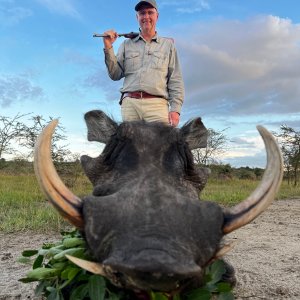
[153, 86]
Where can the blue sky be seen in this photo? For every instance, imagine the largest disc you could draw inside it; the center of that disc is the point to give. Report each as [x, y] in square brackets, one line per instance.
[240, 62]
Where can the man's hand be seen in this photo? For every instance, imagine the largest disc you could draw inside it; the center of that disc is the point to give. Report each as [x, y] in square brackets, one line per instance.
[174, 118]
[110, 39]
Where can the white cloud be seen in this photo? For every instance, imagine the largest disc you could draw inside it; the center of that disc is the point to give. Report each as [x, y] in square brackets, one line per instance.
[12, 14]
[100, 80]
[65, 7]
[18, 88]
[247, 149]
[241, 67]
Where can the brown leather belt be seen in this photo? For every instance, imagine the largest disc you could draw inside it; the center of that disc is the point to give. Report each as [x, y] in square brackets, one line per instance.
[139, 95]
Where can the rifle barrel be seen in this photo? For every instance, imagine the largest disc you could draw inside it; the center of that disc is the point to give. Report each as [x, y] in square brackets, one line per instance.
[130, 35]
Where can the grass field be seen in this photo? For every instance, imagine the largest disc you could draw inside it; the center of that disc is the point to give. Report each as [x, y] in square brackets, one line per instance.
[23, 207]
[232, 191]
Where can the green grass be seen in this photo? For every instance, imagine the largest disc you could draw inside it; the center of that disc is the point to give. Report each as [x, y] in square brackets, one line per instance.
[231, 191]
[23, 207]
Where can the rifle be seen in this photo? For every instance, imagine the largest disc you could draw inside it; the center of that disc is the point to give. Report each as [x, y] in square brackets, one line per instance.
[130, 35]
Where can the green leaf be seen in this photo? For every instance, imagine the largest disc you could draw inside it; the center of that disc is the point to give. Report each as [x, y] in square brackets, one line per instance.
[224, 287]
[199, 294]
[226, 296]
[73, 273]
[80, 292]
[42, 273]
[48, 245]
[70, 272]
[38, 262]
[207, 277]
[43, 252]
[96, 287]
[216, 270]
[59, 265]
[211, 287]
[83, 276]
[55, 295]
[64, 273]
[158, 296]
[27, 280]
[73, 242]
[52, 252]
[28, 253]
[113, 296]
[24, 260]
[51, 289]
[41, 287]
[73, 251]
[70, 275]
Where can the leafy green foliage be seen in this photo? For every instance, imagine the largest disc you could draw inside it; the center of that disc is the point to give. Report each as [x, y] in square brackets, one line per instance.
[213, 284]
[59, 279]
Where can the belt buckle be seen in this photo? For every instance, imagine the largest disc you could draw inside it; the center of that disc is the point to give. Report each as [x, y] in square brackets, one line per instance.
[141, 94]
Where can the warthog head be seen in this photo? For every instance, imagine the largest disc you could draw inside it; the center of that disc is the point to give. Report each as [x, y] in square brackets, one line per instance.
[144, 223]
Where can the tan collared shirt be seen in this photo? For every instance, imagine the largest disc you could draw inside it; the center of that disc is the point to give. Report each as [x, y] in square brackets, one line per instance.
[150, 67]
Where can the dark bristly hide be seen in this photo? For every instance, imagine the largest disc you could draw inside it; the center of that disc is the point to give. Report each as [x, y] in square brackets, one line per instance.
[144, 223]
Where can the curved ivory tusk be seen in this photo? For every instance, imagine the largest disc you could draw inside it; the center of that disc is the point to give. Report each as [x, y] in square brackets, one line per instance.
[264, 194]
[222, 251]
[226, 248]
[93, 267]
[68, 205]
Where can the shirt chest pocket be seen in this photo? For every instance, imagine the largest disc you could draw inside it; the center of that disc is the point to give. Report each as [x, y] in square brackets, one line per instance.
[132, 61]
[159, 60]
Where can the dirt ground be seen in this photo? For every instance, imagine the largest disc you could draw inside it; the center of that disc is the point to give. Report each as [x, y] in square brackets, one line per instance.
[266, 256]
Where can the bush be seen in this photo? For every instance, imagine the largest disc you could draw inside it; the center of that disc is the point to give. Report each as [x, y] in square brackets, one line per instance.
[16, 167]
[245, 173]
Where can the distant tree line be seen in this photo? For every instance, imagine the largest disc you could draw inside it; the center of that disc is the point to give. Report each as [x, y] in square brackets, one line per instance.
[289, 140]
[16, 134]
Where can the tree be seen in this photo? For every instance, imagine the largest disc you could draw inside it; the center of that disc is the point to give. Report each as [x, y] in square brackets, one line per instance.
[289, 140]
[10, 129]
[29, 136]
[216, 144]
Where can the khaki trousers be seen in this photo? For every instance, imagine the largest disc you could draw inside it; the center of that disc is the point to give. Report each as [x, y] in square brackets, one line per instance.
[150, 109]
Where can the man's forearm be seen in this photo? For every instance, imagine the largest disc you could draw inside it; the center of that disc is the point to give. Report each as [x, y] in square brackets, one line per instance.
[114, 69]
[176, 94]
[175, 84]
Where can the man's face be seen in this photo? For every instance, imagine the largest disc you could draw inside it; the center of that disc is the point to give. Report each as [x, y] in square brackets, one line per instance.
[147, 17]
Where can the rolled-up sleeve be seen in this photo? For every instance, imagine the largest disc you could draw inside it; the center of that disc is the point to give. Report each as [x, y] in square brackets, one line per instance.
[175, 82]
[115, 64]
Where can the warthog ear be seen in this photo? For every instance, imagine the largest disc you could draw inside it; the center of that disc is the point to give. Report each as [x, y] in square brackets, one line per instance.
[100, 126]
[195, 133]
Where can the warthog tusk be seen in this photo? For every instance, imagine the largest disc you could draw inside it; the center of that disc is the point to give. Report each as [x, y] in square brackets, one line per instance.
[225, 249]
[93, 267]
[264, 194]
[68, 205]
